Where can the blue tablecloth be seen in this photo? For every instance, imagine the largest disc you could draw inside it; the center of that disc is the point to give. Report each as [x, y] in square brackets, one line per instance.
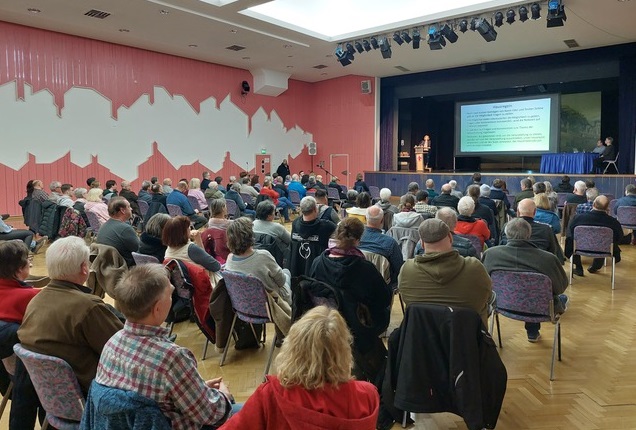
[581, 162]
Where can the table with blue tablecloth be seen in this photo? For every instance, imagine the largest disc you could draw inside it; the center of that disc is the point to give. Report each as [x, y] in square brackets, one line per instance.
[580, 162]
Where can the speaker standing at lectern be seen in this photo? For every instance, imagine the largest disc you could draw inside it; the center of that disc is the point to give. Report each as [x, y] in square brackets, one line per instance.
[426, 145]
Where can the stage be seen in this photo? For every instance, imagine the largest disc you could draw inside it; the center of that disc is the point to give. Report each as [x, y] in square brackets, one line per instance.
[398, 182]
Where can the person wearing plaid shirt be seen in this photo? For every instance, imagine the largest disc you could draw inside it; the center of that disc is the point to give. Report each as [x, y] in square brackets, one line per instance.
[141, 358]
[590, 194]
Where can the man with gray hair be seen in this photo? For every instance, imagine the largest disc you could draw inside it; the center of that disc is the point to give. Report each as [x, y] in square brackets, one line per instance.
[374, 241]
[310, 237]
[628, 200]
[132, 198]
[461, 244]
[454, 191]
[446, 199]
[590, 195]
[385, 201]
[578, 195]
[213, 192]
[141, 359]
[144, 192]
[441, 276]
[65, 319]
[295, 185]
[117, 232]
[521, 255]
[526, 191]
[56, 191]
[485, 200]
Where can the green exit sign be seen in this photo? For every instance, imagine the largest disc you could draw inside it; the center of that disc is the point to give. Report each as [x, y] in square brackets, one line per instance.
[263, 151]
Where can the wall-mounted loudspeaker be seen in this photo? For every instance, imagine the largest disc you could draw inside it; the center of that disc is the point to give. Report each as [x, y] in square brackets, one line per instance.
[365, 87]
[311, 149]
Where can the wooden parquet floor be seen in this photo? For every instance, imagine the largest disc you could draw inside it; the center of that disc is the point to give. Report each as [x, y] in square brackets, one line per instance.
[595, 385]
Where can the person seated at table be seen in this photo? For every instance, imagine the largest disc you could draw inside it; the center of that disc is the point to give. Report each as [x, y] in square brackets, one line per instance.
[599, 148]
[316, 392]
[608, 154]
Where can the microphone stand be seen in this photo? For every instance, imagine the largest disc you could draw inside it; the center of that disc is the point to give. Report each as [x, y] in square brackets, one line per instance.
[325, 170]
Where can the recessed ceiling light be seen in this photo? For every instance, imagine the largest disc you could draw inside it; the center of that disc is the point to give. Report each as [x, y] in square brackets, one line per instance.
[287, 46]
[193, 46]
[124, 30]
[164, 12]
[233, 31]
[34, 10]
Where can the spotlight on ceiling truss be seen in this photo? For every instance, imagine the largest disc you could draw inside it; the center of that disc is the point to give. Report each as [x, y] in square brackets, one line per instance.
[499, 17]
[397, 38]
[366, 45]
[473, 24]
[510, 16]
[350, 50]
[435, 39]
[385, 47]
[523, 14]
[342, 56]
[556, 14]
[374, 42]
[486, 30]
[406, 37]
[416, 38]
[535, 11]
[359, 47]
[463, 25]
[448, 32]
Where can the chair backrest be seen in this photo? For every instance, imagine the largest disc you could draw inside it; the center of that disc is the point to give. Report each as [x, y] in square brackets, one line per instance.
[174, 210]
[311, 193]
[93, 220]
[332, 193]
[232, 209]
[511, 199]
[381, 263]
[610, 197]
[475, 241]
[294, 196]
[626, 215]
[375, 192]
[9, 364]
[215, 243]
[592, 239]
[144, 259]
[55, 383]
[143, 207]
[344, 188]
[194, 202]
[247, 198]
[524, 296]
[248, 297]
[612, 207]
[561, 198]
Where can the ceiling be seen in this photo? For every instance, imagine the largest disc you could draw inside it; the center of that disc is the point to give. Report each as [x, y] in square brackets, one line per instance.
[203, 29]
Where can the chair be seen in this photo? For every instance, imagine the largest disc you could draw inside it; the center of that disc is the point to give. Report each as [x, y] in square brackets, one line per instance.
[143, 208]
[344, 189]
[407, 238]
[595, 242]
[511, 199]
[144, 259]
[475, 241]
[527, 296]
[375, 193]
[248, 199]
[626, 215]
[294, 197]
[174, 210]
[249, 301]
[612, 163]
[93, 220]
[561, 198]
[333, 195]
[232, 209]
[56, 386]
[610, 197]
[194, 202]
[215, 243]
[9, 365]
[569, 210]
[311, 193]
[612, 207]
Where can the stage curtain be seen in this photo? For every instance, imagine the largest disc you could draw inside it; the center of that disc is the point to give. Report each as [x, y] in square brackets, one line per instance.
[387, 115]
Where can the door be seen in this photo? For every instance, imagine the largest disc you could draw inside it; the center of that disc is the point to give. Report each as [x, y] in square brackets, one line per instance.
[263, 165]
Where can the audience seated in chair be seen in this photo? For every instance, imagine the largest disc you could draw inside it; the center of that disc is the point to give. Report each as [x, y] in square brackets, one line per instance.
[373, 240]
[323, 377]
[150, 240]
[140, 358]
[461, 244]
[95, 205]
[177, 235]
[468, 224]
[117, 232]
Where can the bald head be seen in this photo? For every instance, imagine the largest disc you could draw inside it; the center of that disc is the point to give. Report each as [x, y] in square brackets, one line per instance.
[601, 203]
[375, 216]
[446, 189]
[527, 207]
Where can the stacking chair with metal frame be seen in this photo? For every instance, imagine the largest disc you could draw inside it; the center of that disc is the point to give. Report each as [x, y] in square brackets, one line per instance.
[174, 210]
[527, 296]
[595, 242]
[626, 215]
[144, 259]
[143, 208]
[57, 388]
[249, 302]
[611, 163]
[93, 222]
[232, 209]
[375, 193]
[294, 197]
[248, 199]
[194, 202]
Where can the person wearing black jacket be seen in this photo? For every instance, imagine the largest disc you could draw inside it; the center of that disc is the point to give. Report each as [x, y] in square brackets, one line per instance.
[360, 185]
[283, 170]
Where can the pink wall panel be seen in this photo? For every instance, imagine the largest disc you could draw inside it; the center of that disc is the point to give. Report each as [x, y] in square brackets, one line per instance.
[340, 118]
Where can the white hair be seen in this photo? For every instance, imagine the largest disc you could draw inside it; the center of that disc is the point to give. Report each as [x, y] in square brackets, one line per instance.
[377, 217]
[65, 256]
[452, 183]
[580, 186]
[466, 206]
[307, 205]
[385, 194]
[484, 190]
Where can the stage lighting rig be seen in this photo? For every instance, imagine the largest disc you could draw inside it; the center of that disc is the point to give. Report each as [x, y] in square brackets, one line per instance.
[556, 14]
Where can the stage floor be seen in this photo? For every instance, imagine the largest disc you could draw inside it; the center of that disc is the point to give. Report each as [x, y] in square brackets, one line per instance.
[398, 181]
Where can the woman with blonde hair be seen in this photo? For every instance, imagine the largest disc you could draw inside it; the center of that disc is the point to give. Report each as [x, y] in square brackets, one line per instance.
[545, 214]
[316, 391]
[96, 205]
[195, 191]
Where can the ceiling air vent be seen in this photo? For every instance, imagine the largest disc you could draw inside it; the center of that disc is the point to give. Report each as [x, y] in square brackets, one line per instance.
[235, 48]
[320, 66]
[571, 43]
[402, 68]
[100, 14]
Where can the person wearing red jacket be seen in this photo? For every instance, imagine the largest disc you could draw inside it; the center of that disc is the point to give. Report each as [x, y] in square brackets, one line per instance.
[317, 392]
[281, 202]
